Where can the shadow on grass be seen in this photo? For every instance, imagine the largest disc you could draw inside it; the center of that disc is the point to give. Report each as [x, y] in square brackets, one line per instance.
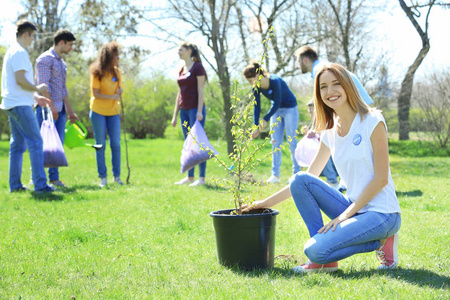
[59, 195]
[84, 187]
[414, 193]
[412, 276]
[56, 196]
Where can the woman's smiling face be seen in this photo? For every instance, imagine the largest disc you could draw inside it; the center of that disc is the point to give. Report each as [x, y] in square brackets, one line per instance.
[331, 90]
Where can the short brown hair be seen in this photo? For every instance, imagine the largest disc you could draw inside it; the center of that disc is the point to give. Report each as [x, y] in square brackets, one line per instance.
[24, 26]
[324, 114]
[63, 35]
[308, 52]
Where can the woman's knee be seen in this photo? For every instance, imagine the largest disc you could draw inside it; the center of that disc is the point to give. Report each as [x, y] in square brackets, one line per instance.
[298, 180]
[316, 252]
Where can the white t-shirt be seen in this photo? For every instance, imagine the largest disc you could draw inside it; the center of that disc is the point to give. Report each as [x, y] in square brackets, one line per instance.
[16, 59]
[353, 158]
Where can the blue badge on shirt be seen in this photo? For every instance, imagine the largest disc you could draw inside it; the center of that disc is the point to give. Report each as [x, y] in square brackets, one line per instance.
[357, 139]
[270, 92]
[114, 79]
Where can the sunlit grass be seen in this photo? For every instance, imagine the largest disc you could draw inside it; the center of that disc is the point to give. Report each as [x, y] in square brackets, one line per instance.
[154, 240]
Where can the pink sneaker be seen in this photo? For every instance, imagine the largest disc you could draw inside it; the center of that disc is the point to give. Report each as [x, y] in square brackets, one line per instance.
[309, 266]
[388, 253]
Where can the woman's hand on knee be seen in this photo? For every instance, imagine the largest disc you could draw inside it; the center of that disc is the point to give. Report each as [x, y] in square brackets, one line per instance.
[332, 224]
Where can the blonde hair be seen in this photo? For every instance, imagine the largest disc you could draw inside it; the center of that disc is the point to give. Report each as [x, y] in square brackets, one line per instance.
[325, 114]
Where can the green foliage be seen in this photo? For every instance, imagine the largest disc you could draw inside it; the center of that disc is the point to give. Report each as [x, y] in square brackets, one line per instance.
[417, 149]
[148, 105]
[215, 115]
[417, 120]
[78, 86]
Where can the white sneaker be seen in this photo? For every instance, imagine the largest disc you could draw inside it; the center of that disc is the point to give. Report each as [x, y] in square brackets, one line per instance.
[118, 181]
[184, 181]
[103, 182]
[198, 182]
[273, 179]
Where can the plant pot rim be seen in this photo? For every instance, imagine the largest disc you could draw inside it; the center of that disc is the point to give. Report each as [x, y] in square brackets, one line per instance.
[223, 213]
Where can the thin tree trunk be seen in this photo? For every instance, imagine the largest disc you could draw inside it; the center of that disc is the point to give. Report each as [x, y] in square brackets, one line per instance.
[404, 99]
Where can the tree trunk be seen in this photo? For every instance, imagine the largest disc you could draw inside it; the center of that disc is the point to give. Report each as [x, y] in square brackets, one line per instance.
[226, 94]
[404, 99]
[218, 45]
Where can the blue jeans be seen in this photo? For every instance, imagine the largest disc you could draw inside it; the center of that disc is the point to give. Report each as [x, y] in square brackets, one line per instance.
[60, 124]
[111, 124]
[360, 233]
[190, 116]
[330, 172]
[25, 133]
[289, 122]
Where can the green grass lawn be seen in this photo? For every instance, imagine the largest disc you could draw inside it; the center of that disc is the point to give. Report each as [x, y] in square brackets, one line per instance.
[154, 240]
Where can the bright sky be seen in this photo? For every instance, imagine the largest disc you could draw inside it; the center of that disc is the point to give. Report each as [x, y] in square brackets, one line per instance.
[395, 32]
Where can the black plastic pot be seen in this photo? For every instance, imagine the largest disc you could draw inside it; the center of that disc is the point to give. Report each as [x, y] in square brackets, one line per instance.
[248, 240]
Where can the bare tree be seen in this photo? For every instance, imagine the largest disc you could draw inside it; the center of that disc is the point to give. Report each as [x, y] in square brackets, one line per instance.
[413, 12]
[291, 29]
[345, 32]
[48, 15]
[433, 97]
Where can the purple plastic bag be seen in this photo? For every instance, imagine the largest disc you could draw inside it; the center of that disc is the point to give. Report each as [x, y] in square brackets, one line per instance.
[306, 150]
[192, 154]
[54, 155]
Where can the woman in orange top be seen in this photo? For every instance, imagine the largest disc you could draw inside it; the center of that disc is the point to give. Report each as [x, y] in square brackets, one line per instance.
[106, 93]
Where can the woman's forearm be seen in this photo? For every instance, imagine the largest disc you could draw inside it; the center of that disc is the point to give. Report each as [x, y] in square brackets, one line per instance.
[101, 96]
[278, 197]
[177, 106]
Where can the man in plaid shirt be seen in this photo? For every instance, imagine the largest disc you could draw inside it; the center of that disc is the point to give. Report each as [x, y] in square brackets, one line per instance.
[51, 70]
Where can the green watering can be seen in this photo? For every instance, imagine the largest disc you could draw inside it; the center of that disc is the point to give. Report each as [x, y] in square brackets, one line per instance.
[75, 135]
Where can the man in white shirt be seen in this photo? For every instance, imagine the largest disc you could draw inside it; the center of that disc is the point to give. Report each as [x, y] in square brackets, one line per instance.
[18, 99]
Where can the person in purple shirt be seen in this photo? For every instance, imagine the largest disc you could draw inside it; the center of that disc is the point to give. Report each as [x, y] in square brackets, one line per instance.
[190, 100]
[51, 70]
[283, 111]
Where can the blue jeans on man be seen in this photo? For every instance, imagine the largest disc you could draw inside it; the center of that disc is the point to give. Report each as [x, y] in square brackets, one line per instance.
[288, 122]
[190, 116]
[60, 124]
[25, 133]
